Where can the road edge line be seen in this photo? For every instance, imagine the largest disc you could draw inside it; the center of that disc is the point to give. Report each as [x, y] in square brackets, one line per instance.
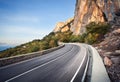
[78, 69]
[86, 68]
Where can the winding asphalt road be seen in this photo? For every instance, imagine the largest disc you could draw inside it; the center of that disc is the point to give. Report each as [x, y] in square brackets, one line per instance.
[63, 65]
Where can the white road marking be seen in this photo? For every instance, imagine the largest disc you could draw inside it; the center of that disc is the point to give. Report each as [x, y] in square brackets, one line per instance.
[35, 68]
[78, 68]
[83, 78]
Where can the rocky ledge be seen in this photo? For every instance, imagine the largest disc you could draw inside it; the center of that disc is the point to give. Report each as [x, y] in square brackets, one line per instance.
[63, 26]
[109, 50]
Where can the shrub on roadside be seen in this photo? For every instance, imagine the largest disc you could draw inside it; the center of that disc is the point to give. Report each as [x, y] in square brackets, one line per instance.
[95, 32]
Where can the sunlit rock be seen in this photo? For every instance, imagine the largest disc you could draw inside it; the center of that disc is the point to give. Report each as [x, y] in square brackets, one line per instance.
[87, 11]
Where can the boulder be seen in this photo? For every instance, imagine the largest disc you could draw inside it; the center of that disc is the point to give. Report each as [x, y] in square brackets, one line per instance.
[108, 53]
[117, 51]
[116, 31]
[116, 60]
[107, 61]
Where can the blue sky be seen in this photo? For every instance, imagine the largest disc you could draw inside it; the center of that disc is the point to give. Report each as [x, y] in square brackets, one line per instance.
[25, 20]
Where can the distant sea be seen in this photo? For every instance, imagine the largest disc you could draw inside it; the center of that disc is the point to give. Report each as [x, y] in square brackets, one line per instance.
[4, 47]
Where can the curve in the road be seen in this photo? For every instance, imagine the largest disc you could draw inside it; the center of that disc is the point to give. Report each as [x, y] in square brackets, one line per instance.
[58, 66]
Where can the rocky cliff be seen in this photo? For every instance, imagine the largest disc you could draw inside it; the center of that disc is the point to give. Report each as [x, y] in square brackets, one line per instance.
[109, 49]
[63, 26]
[87, 11]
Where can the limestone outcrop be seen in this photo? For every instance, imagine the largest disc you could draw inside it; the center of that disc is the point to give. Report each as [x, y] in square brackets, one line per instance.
[63, 26]
[87, 11]
[58, 26]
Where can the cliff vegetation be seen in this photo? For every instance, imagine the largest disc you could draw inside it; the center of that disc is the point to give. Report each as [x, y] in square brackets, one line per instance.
[47, 42]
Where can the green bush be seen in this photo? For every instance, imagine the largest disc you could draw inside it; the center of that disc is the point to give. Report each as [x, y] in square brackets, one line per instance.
[101, 28]
[47, 42]
[90, 39]
[34, 49]
[82, 38]
[94, 31]
[75, 38]
[53, 43]
[63, 36]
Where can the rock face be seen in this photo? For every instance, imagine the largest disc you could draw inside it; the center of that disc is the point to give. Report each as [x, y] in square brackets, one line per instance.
[63, 26]
[87, 11]
[66, 28]
[111, 41]
[109, 49]
[58, 26]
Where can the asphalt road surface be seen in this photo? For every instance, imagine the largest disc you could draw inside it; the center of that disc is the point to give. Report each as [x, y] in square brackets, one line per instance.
[63, 65]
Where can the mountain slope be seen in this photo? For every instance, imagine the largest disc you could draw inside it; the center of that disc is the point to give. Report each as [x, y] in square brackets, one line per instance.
[47, 42]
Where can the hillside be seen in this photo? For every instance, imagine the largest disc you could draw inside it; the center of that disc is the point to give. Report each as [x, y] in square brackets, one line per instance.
[96, 22]
[36, 45]
[52, 39]
[109, 50]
